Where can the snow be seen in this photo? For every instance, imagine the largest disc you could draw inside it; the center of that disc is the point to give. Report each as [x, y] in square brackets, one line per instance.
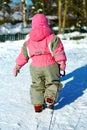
[8, 28]
[17, 16]
[16, 111]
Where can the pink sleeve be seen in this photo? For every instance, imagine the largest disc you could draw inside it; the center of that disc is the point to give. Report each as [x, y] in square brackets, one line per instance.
[21, 59]
[59, 53]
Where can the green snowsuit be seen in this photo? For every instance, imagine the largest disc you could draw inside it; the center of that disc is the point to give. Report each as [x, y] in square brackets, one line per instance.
[46, 83]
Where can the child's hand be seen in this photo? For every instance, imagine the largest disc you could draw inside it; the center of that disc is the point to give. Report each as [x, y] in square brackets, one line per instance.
[16, 70]
[62, 66]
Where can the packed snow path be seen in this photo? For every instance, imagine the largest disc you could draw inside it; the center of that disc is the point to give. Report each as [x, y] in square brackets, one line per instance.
[16, 111]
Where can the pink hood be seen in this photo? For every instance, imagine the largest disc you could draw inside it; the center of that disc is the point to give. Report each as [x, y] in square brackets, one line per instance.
[40, 28]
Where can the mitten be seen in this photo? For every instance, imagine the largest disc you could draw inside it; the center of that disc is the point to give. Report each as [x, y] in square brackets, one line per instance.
[62, 66]
[16, 70]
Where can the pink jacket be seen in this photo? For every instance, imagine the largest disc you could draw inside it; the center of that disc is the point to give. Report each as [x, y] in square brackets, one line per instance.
[43, 47]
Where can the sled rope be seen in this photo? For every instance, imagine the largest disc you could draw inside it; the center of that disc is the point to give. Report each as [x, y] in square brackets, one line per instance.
[51, 120]
[61, 74]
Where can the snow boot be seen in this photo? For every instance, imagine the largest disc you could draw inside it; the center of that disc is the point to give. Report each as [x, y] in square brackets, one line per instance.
[50, 103]
[38, 108]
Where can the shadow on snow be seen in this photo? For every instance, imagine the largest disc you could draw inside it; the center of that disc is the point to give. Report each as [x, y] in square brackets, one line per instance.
[74, 88]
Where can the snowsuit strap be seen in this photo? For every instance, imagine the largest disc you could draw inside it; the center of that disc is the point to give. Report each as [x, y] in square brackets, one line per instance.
[25, 50]
[57, 50]
[54, 43]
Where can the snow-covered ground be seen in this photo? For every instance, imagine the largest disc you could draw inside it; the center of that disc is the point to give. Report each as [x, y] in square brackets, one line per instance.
[8, 28]
[16, 111]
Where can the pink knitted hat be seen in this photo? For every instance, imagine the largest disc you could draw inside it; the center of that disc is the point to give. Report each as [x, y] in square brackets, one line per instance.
[39, 20]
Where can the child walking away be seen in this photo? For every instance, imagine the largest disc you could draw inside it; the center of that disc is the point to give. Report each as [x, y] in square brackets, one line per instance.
[48, 58]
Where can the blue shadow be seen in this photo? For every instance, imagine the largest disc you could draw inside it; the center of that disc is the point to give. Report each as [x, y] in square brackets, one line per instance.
[74, 88]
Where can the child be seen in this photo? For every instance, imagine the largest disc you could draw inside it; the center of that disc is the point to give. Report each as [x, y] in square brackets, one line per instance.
[48, 58]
